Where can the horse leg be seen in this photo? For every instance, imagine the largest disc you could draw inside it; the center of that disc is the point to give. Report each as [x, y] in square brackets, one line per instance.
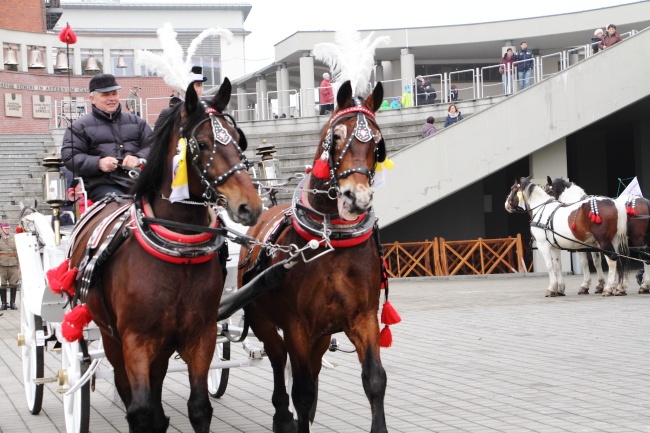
[545, 250]
[598, 264]
[364, 334]
[276, 351]
[113, 352]
[138, 354]
[613, 287]
[156, 378]
[586, 275]
[303, 392]
[197, 351]
[645, 282]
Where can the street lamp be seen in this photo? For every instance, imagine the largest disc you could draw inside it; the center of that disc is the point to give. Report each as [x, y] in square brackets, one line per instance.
[55, 188]
[268, 168]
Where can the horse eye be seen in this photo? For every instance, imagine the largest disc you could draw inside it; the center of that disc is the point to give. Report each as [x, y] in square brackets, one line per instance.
[202, 145]
[336, 137]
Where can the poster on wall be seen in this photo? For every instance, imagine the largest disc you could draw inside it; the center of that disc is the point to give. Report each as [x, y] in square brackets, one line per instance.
[13, 105]
[41, 106]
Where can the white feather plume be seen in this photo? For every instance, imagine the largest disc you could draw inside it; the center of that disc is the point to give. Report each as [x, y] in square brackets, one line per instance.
[173, 65]
[351, 58]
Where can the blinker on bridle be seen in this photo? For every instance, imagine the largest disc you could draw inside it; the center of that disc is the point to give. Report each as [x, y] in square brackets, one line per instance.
[221, 136]
[361, 131]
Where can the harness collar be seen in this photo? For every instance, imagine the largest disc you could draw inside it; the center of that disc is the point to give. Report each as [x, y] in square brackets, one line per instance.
[311, 224]
[170, 246]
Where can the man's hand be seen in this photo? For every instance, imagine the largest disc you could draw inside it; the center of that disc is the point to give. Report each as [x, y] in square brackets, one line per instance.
[108, 164]
[131, 161]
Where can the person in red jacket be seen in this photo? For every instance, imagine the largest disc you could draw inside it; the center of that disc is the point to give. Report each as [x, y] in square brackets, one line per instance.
[326, 95]
[611, 38]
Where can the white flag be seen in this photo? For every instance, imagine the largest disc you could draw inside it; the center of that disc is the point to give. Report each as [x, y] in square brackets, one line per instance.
[633, 188]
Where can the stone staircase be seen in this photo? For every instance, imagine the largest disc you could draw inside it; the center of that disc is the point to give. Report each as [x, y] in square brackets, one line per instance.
[21, 156]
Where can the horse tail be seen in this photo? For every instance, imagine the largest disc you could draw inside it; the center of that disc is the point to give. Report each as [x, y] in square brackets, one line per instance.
[622, 249]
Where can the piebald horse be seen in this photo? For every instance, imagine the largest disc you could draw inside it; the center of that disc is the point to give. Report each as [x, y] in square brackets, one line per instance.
[557, 226]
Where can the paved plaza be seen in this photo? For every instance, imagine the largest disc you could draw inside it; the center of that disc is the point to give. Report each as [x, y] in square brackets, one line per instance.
[471, 355]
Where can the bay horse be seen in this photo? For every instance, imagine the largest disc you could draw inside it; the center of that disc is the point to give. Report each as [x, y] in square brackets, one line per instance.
[159, 291]
[556, 226]
[638, 214]
[339, 292]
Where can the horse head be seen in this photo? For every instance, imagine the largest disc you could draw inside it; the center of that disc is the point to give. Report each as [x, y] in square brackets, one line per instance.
[518, 196]
[213, 145]
[557, 187]
[353, 144]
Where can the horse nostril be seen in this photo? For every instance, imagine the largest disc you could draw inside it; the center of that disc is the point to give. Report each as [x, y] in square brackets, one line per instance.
[349, 194]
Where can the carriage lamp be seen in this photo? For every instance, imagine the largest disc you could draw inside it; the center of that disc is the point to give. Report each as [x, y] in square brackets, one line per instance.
[268, 167]
[55, 191]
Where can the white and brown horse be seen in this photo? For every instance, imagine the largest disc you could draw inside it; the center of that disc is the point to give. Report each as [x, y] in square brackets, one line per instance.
[638, 222]
[557, 226]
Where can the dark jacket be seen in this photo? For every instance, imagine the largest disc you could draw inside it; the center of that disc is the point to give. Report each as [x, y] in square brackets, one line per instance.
[425, 96]
[594, 44]
[523, 55]
[451, 120]
[428, 129]
[99, 134]
[608, 40]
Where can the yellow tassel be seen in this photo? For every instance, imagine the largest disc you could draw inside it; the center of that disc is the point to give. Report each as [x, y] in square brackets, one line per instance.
[388, 163]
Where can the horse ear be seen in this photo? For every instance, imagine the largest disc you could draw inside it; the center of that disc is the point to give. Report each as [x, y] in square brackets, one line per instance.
[191, 99]
[548, 180]
[374, 101]
[528, 178]
[222, 98]
[344, 95]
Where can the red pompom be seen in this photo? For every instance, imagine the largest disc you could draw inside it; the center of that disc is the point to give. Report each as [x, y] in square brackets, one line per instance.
[67, 35]
[321, 169]
[75, 321]
[385, 337]
[19, 229]
[631, 211]
[598, 219]
[574, 225]
[389, 315]
[60, 279]
[307, 169]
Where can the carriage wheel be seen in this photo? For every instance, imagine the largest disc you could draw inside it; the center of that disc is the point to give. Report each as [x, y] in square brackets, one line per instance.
[76, 406]
[218, 378]
[288, 382]
[31, 330]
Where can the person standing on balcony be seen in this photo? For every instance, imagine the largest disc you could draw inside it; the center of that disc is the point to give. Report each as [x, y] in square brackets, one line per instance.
[9, 273]
[326, 95]
[596, 40]
[133, 101]
[95, 145]
[612, 37]
[506, 68]
[525, 68]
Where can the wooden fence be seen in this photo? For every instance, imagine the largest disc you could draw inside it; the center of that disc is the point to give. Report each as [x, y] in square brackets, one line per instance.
[441, 258]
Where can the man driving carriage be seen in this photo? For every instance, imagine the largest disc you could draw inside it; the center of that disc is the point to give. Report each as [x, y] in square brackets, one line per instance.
[105, 140]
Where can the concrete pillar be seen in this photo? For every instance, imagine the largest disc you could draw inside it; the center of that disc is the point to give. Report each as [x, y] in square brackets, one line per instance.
[75, 59]
[285, 96]
[379, 72]
[22, 58]
[49, 62]
[307, 85]
[407, 69]
[280, 90]
[107, 61]
[642, 154]
[395, 87]
[242, 104]
[551, 161]
[574, 58]
[262, 93]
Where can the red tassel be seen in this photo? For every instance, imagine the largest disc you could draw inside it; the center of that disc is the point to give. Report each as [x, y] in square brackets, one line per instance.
[75, 321]
[19, 229]
[574, 225]
[385, 337]
[598, 219]
[631, 211]
[67, 35]
[60, 279]
[389, 315]
[321, 169]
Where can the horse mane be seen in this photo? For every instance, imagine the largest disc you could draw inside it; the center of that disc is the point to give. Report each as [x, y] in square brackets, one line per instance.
[151, 176]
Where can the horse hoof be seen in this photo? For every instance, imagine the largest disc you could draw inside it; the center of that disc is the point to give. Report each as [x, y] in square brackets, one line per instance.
[607, 293]
[598, 291]
[560, 294]
[287, 427]
[621, 294]
[583, 291]
[549, 294]
[644, 291]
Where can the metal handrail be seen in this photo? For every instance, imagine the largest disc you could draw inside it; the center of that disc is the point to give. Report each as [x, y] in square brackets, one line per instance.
[547, 56]
[534, 69]
[295, 108]
[473, 87]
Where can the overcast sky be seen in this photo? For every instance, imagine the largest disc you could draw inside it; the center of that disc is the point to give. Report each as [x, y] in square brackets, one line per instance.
[271, 21]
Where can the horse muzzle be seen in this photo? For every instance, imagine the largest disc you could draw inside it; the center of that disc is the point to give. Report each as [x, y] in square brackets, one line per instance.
[353, 201]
